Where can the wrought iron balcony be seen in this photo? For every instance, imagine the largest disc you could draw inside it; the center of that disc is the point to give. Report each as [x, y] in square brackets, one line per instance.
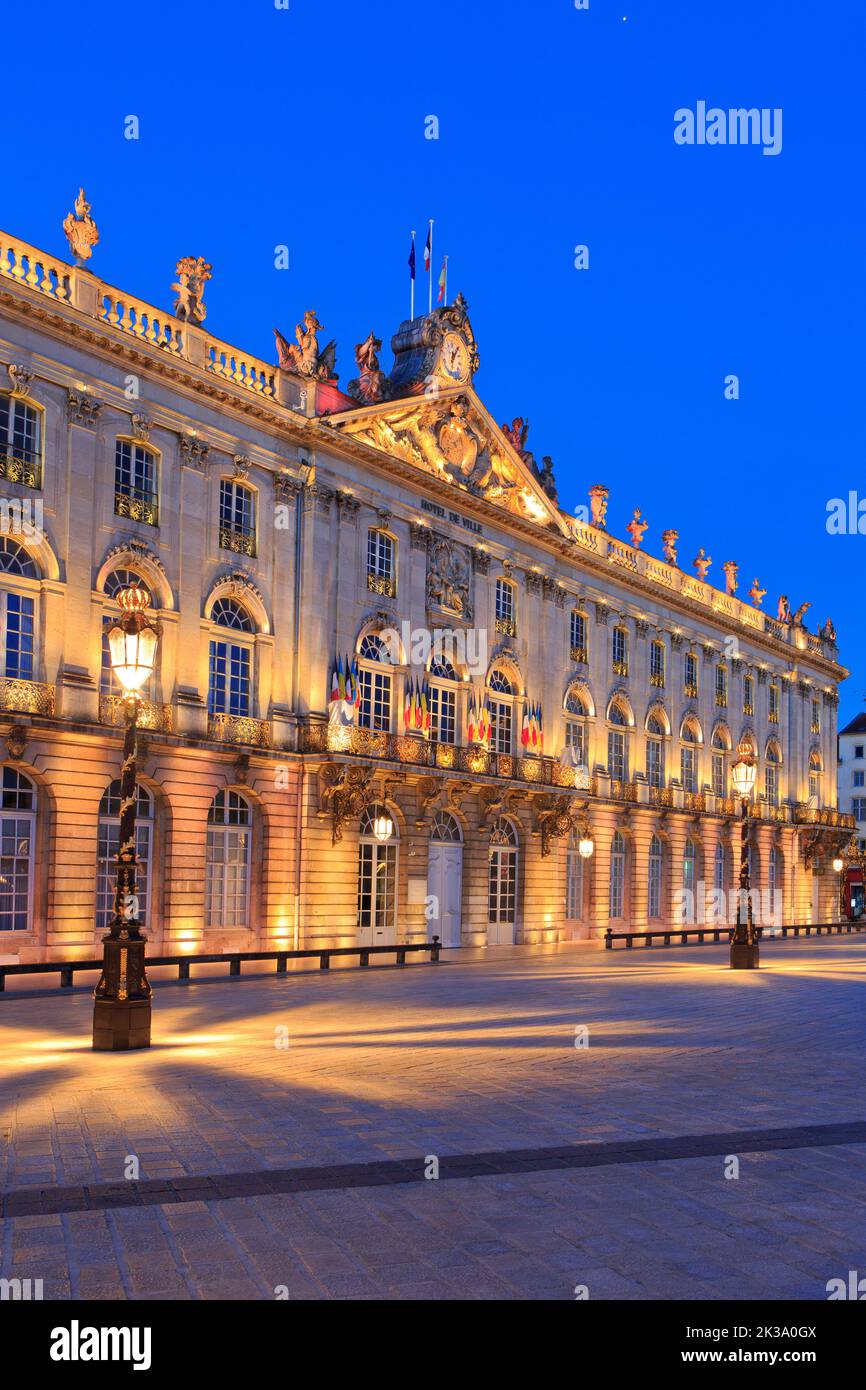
[507, 626]
[21, 465]
[137, 506]
[239, 728]
[657, 678]
[151, 714]
[804, 814]
[578, 655]
[620, 666]
[241, 542]
[383, 584]
[28, 697]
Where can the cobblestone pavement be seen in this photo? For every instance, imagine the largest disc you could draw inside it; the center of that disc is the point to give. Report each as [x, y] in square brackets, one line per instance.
[473, 1057]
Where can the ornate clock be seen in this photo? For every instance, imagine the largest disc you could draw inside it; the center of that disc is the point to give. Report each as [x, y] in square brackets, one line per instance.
[454, 358]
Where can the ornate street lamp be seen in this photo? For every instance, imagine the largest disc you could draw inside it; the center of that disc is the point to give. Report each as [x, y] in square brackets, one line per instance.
[383, 827]
[744, 943]
[586, 844]
[121, 1007]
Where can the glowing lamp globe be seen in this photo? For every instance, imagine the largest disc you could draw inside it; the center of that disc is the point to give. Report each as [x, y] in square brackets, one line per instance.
[585, 845]
[838, 864]
[132, 640]
[383, 828]
[744, 770]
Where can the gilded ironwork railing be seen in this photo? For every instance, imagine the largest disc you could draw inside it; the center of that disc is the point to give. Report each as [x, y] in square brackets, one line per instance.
[804, 814]
[657, 678]
[238, 728]
[29, 697]
[22, 466]
[241, 542]
[578, 654]
[382, 584]
[151, 714]
[507, 626]
[620, 667]
[137, 508]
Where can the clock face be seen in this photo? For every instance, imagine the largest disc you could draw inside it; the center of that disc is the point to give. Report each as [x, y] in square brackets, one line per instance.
[454, 358]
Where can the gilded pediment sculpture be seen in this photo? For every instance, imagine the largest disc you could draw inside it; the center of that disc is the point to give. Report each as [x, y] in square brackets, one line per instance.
[305, 358]
[451, 440]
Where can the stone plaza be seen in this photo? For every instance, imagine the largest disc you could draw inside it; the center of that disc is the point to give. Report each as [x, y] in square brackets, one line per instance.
[584, 1110]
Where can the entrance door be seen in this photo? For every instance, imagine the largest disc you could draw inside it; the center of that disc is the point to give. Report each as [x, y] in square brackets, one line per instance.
[377, 880]
[444, 885]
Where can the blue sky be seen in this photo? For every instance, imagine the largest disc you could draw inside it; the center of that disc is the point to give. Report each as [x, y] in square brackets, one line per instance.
[305, 127]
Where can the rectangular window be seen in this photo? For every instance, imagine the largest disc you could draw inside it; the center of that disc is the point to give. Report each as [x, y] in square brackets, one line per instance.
[688, 770]
[620, 651]
[719, 774]
[690, 681]
[722, 687]
[616, 761]
[229, 682]
[858, 806]
[237, 518]
[16, 872]
[771, 784]
[381, 577]
[505, 622]
[578, 636]
[617, 884]
[654, 768]
[858, 779]
[501, 727]
[575, 737]
[574, 885]
[17, 624]
[816, 717]
[749, 695]
[657, 664]
[135, 489]
[443, 714]
[773, 703]
[375, 709]
[20, 444]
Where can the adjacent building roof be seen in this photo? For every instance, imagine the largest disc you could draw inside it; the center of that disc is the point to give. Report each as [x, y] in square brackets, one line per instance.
[857, 726]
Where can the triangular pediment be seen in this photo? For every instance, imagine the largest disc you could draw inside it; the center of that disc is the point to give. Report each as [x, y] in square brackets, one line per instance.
[453, 437]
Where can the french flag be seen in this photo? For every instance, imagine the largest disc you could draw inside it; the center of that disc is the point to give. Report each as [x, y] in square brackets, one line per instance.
[428, 249]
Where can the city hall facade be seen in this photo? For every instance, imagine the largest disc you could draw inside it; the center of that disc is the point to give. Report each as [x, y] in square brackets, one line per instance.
[372, 612]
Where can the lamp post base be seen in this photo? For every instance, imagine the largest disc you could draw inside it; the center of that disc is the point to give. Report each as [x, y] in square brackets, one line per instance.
[121, 1002]
[745, 956]
[121, 1025]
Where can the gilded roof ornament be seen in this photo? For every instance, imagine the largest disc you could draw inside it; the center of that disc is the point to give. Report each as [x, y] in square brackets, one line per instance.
[192, 276]
[80, 229]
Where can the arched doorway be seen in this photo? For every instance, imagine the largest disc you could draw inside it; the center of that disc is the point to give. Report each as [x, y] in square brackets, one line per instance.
[445, 879]
[502, 884]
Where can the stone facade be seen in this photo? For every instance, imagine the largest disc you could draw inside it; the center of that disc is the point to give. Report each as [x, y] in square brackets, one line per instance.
[280, 524]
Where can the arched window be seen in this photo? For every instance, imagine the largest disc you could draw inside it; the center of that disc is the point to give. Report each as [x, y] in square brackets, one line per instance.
[816, 769]
[230, 662]
[17, 850]
[377, 879]
[381, 563]
[115, 583]
[574, 872]
[656, 867]
[689, 857]
[237, 529]
[690, 735]
[773, 893]
[20, 441]
[446, 828]
[375, 683]
[443, 700]
[617, 742]
[771, 772]
[501, 712]
[655, 751]
[136, 487]
[617, 876]
[17, 613]
[502, 874]
[227, 867]
[108, 841]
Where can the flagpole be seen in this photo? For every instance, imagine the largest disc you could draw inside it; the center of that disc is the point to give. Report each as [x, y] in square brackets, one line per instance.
[445, 301]
[412, 286]
[430, 272]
